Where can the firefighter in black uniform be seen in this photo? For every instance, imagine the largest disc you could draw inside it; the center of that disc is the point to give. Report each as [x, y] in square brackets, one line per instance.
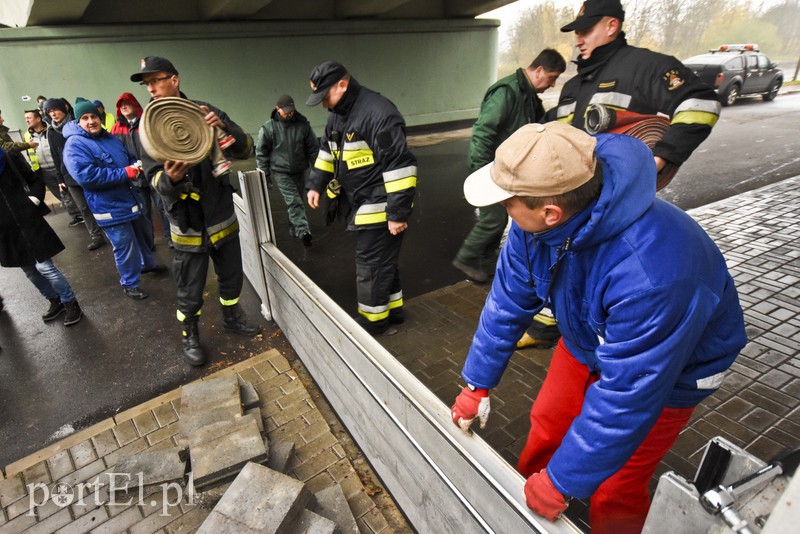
[202, 220]
[364, 149]
[627, 78]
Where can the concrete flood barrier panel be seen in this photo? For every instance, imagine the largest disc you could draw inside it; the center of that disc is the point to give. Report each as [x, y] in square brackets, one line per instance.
[443, 480]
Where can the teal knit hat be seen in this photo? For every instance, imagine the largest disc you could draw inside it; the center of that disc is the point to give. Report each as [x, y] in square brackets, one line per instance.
[83, 106]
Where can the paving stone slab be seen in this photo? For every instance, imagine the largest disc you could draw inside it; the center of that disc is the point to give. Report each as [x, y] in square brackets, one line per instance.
[256, 413]
[308, 522]
[209, 401]
[280, 453]
[221, 458]
[153, 467]
[248, 395]
[332, 504]
[259, 500]
[218, 429]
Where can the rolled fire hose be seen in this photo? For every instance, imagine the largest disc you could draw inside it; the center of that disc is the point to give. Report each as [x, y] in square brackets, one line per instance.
[175, 129]
[649, 129]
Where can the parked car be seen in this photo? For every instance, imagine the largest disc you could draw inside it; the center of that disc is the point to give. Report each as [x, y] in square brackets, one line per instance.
[738, 70]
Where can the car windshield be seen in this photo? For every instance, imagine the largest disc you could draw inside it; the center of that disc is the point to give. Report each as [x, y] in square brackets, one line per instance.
[707, 59]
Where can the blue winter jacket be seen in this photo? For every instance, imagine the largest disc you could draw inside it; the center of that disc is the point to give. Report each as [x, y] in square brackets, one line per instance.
[98, 165]
[642, 296]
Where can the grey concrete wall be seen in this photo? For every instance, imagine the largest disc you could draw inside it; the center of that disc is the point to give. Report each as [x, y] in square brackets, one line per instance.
[434, 71]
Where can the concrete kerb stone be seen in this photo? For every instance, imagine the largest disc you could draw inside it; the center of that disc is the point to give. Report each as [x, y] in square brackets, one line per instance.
[221, 457]
[259, 500]
[155, 467]
[209, 401]
[307, 522]
[332, 504]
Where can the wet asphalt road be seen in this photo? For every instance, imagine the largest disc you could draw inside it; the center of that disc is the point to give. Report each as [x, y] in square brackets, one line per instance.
[124, 352]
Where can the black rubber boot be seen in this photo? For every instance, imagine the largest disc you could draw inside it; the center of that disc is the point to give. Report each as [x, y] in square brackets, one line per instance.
[74, 313]
[236, 321]
[56, 309]
[192, 351]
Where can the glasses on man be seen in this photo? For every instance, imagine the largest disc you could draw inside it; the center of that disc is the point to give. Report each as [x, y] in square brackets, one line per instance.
[154, 81]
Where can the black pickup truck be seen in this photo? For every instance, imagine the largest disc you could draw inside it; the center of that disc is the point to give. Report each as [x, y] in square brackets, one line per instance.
[738, 70]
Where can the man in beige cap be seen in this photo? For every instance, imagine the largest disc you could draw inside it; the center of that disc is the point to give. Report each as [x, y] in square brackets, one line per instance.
[649, 317]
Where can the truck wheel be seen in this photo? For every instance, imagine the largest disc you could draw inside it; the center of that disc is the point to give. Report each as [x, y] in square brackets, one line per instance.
[730, 95]
[772, 92]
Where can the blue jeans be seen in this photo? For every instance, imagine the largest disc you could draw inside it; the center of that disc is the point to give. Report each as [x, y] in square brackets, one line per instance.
[49, 281]
[131, 252]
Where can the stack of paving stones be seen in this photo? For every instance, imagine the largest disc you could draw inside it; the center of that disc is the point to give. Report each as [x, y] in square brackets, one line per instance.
[757, 407]
[219, 421]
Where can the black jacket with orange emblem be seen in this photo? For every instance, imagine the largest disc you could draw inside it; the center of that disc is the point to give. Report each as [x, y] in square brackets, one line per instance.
[635, 79]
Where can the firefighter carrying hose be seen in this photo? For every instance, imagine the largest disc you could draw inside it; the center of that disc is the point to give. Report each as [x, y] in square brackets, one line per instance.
[199, 202]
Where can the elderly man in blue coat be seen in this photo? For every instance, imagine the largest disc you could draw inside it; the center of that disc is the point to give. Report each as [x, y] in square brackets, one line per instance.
[100, 164]
[649, 317]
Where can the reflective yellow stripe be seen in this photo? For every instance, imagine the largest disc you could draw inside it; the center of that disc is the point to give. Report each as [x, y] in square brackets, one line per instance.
[224, 233]
[696, 117]
[400, 185]
[396, 304]
[321, 164]
[370, 218]
[182, 317]
[193, 196]
[612, 98]
[374, 317]
[358, 158]
[186, 240]
[330, 193]
[157, 178]
[229, 302]
[567, 119]
[544, 319]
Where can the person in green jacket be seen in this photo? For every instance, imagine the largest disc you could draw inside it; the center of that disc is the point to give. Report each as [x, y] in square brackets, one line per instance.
[285, 148]
[509, 104]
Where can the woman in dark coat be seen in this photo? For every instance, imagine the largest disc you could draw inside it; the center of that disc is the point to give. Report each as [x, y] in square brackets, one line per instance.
[28, 242]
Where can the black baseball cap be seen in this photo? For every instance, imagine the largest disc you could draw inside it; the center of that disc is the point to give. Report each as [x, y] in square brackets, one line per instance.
[151, 64]
[322, 78]
[286, 103]
[592, 11]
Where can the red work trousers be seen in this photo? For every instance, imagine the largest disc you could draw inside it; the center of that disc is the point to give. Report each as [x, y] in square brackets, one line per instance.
[620, 504]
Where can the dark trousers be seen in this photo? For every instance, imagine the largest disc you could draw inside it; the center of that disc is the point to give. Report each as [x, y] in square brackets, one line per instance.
[88, 219]
[292, 188]
[143, 197]
[479, 248]
[378, 275]
[190, 270]
[50, 178]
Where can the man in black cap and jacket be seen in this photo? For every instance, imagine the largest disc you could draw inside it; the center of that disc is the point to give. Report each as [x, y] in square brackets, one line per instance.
[631, 79]
[212, 231]
[364, 151]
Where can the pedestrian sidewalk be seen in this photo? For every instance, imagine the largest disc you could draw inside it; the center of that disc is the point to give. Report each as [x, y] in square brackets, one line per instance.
[758, 405]
[86, 459]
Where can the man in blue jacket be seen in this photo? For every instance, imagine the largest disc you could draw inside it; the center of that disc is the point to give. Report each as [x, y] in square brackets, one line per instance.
[104, 169]
[649, 316]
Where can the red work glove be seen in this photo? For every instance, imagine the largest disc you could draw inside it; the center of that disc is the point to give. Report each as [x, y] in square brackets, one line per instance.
[542, 497]
[469, 405]
[132, 171]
